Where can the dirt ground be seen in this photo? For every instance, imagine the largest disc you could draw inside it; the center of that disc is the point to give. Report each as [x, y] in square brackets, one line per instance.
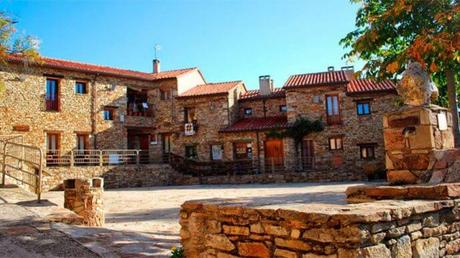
[150, 214]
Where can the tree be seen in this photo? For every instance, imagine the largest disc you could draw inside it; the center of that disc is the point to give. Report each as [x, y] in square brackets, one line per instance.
[390, 33]
[11, 43]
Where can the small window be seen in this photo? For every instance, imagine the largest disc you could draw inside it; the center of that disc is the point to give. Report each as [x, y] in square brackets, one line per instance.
[108, 113]
[80, 88]
[367, 151]
[248, 111]
[283, 108]
[165, 94]
[317, 99]
[217, 151]
[190, 152]
[336, 143]
[363, 108]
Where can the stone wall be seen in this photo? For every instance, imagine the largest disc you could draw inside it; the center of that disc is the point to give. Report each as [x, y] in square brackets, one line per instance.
[354, 130]
[262, 107]
[378, 229]
[114, 176]
[22, 107]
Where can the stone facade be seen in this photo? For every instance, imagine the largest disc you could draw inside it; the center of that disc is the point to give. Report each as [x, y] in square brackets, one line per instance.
[419, 145]
[378, 229]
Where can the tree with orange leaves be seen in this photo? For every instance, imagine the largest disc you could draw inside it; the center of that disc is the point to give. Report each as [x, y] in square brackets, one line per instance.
[390, 33]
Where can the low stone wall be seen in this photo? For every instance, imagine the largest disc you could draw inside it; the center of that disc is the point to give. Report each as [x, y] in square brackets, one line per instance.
[114, 176]
[293, 177]
[376, 229]
[163, 175]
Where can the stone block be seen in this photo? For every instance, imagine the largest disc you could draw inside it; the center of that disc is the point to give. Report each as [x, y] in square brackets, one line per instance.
[253, 249]
[236, 230]
[257, 228]
[402, 248]
[275, 230]
[293, 244]
[376, 251]
[426, 248]
[284, 253]
[219, 241]
[401, 177]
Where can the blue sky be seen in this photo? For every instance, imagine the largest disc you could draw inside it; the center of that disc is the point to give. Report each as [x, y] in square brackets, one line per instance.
[227, 39]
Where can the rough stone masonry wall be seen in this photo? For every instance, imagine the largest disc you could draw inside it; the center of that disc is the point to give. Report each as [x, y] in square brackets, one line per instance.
[354, 129]
[114, 176]
[379, 229]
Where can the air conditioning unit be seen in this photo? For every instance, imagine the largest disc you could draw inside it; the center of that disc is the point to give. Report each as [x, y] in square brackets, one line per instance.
[189, 129]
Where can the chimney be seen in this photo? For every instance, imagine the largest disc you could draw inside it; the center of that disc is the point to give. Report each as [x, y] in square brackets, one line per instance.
[156, 65]
[330, 68]
[350, 71]
[265, 85]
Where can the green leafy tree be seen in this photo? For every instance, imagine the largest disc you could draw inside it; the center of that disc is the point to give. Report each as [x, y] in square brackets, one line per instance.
[390, 33]
[12, 43]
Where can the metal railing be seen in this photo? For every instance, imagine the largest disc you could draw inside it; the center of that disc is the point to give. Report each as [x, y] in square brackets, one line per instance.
[23, 163]
[98, 157]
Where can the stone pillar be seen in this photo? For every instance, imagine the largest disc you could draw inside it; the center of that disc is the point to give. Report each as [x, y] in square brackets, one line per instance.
[84, 197]
[415, 140]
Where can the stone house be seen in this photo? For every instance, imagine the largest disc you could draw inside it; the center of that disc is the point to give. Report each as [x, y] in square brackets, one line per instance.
[62, 106]
[66, 106]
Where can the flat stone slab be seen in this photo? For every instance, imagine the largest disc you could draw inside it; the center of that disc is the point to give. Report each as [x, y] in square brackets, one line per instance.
[446, 191]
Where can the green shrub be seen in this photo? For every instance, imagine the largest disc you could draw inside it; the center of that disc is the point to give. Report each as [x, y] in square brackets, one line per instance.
[177, 252]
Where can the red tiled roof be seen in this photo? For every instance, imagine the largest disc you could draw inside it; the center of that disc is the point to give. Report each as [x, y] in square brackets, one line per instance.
[210, 89]
[257, 124]
[317, 79]
[255, 94]
[91, 68]
[366, 85]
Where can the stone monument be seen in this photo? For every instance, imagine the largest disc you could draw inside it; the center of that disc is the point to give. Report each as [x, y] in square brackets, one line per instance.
[419, 142]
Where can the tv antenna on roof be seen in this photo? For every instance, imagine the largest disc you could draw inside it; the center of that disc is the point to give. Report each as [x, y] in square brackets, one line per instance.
[157, 48]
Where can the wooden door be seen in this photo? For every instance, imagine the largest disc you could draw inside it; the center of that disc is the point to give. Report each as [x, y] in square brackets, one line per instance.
[274, 154]
[308, 154]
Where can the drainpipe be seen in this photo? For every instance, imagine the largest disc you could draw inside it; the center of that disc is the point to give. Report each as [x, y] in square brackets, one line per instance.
[93, 110]
[258, 151]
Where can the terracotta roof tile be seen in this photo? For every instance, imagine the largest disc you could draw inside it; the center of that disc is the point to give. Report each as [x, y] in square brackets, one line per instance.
[317, 79]
[91, 68]
[210, 89]
[257, 124]
[255, 94]
[366, 85]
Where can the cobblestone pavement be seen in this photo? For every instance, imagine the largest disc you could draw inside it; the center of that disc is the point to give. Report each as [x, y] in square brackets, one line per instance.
[144, 221]
[23, 233]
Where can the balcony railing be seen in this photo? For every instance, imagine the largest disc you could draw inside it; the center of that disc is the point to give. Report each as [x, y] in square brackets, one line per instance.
[99, 157]
[334, 120]
[52, 105]
[137, 109]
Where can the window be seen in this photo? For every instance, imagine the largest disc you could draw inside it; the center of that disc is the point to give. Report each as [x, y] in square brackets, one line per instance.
[52, 95]
[82, 142]
[283, 108]
[367, 151]
[336, 143]
[189, 115]
[248, 112]
[363, 108]
[52, 142]
[217, 151]
[332, 109]
[165, 94]
[108, 113]
[316, 99]
[80, 88]
[190, 152]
